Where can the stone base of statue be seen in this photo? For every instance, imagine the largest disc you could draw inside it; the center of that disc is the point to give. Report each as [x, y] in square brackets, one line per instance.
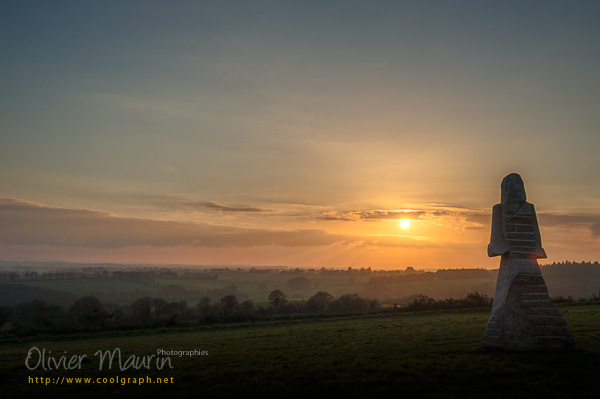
[525, 319]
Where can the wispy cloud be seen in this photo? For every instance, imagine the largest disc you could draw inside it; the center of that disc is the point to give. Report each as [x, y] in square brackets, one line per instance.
[370, 215]
[482, 219]
[595, 229]
[592, 222]
[554, 219]
[140, 104]
[27, 223]
[223, 208]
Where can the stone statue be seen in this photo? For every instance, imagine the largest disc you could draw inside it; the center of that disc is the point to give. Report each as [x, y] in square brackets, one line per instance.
[523, 318]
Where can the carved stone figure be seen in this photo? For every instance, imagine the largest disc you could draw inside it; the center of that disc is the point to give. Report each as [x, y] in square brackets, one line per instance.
[523, 318]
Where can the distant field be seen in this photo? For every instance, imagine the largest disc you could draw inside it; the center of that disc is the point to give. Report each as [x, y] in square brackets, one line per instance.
[259, 285]
[442, 289]
[424, 355]
[126, 283]
[110, 290]
[256, 286]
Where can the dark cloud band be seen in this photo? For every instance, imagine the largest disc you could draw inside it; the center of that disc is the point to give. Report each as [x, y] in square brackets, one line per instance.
[28, 223]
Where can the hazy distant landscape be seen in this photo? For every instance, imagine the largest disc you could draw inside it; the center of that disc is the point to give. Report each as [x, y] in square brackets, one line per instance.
[69, 297]
[123, 283]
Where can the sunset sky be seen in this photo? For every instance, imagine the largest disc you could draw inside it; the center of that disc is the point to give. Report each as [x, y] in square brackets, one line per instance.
[295, 133]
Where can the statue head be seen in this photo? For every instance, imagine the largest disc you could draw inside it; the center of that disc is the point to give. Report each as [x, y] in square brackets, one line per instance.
[513, 193]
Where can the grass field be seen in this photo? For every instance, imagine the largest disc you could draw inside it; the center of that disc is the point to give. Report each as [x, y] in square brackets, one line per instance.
[425, 355]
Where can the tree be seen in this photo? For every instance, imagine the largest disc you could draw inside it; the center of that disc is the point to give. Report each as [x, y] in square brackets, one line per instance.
[247, 308]
[277, 298]
[350, 303]
[422, 302]
[4, 315]
[88, 312]
[319, 301]
[229, 305]
[159, 306]
[206, 311]
[141, 310]
[475, 299]
[36, 315]
[173, 309]
[203, 306]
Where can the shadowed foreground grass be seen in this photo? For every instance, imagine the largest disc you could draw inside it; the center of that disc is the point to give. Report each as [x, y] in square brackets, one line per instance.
[425, 355]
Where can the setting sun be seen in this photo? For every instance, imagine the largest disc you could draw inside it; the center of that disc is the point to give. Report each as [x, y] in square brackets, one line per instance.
[404, 223]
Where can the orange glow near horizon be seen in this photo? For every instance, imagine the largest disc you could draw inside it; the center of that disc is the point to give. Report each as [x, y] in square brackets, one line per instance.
[434, 237]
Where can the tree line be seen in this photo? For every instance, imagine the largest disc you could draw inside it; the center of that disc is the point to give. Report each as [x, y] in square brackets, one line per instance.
[22, 271]
[89, 313]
